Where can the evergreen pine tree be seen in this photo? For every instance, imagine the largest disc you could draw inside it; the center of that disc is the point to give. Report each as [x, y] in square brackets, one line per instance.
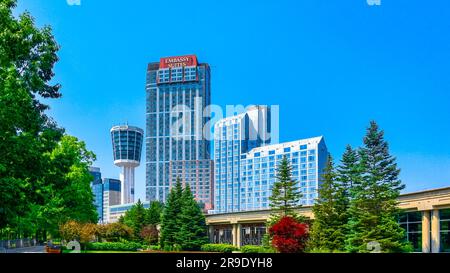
[373, 206]
[135, 218]
[154, 213]
[349, 171]
[192, 234]
[285, 196]
[170, 222]
[330, 213]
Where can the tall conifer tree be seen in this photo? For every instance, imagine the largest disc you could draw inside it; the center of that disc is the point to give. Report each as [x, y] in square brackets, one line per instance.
[285, 193]
[330, 212]
[373, 205]
[192, 234]
[170, 221]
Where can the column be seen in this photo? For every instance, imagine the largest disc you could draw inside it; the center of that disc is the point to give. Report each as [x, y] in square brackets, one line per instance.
[211, 234]
[238, 235]
[435, 232]
[235, 239]
[426, 231]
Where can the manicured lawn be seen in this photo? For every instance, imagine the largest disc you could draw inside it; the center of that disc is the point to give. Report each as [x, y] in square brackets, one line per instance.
[99, 251]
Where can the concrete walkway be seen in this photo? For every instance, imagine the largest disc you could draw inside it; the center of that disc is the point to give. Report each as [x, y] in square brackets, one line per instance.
[34, 249]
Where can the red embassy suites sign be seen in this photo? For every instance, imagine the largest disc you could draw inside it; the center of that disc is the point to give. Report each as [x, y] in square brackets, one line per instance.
[180, 61]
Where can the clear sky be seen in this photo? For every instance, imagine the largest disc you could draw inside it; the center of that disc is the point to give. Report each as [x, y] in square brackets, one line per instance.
[332, 66]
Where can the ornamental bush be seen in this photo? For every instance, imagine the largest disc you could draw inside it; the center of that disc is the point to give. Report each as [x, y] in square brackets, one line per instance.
[289, 236]
[70, 231]
[122, 246]
[154, 247]
[222, 248]
[256, 249]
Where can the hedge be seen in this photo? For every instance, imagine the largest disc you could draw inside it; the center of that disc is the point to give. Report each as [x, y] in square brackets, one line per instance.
[256, 249]
[223, 248]
[154, 248]
[122, 246]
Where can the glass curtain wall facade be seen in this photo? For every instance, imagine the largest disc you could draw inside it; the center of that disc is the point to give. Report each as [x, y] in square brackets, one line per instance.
[97, 190]
[444, 219]
[230, 141]
[198, 174]
[178, 90]
[233, 137]
[244, 175]
[411, 222]
[259, 170]
[111, 195]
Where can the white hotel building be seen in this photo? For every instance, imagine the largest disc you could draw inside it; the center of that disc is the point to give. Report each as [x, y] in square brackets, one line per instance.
[246, 163]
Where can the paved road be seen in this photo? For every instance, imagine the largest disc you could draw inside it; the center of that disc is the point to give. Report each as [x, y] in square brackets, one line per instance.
[34, 249]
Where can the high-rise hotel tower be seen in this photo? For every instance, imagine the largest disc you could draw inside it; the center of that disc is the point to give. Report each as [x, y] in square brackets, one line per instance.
[246, 162]
[178, 91]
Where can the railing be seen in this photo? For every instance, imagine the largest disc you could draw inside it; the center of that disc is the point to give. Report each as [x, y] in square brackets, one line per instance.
[18, 243]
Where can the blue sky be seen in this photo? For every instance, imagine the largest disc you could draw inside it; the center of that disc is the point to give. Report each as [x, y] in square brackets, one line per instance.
[332, 66]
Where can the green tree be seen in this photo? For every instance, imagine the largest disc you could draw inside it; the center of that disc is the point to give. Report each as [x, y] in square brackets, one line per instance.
[154, 213]
[328, 231]
[66, 190]
[44, 178]
[27, 57]
[373, 206]
[170, 223]
[135, 218]
[192, 232]
[116, 232]
[285, 193]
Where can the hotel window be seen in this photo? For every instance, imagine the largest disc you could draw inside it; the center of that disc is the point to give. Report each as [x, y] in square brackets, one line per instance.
[190, 73]
[444, 216]
[411, 222]
[163, 75]
[177, 74]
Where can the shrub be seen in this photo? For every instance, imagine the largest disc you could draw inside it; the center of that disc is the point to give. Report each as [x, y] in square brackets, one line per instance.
[116, 246]
[150, 234]
[116, 232]
[223, 248]
[155, 248]
[88, 232]
[323, 250]
[289, 236]
[70, 231]
[256, 249]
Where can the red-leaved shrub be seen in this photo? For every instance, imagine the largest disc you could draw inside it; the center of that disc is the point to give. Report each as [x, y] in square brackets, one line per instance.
[289, 236]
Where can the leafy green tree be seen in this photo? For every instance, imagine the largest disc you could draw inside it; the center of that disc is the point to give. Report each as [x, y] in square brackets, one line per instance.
[170, 223]
[328, 231]
[192, 230]
[285, 196]
[136, 218]
[27, 57]
[373, 206]
[44, 180]
[66, 191]
[116, 232]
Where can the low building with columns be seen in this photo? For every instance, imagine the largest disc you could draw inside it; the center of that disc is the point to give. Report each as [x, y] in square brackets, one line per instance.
[425, 217]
